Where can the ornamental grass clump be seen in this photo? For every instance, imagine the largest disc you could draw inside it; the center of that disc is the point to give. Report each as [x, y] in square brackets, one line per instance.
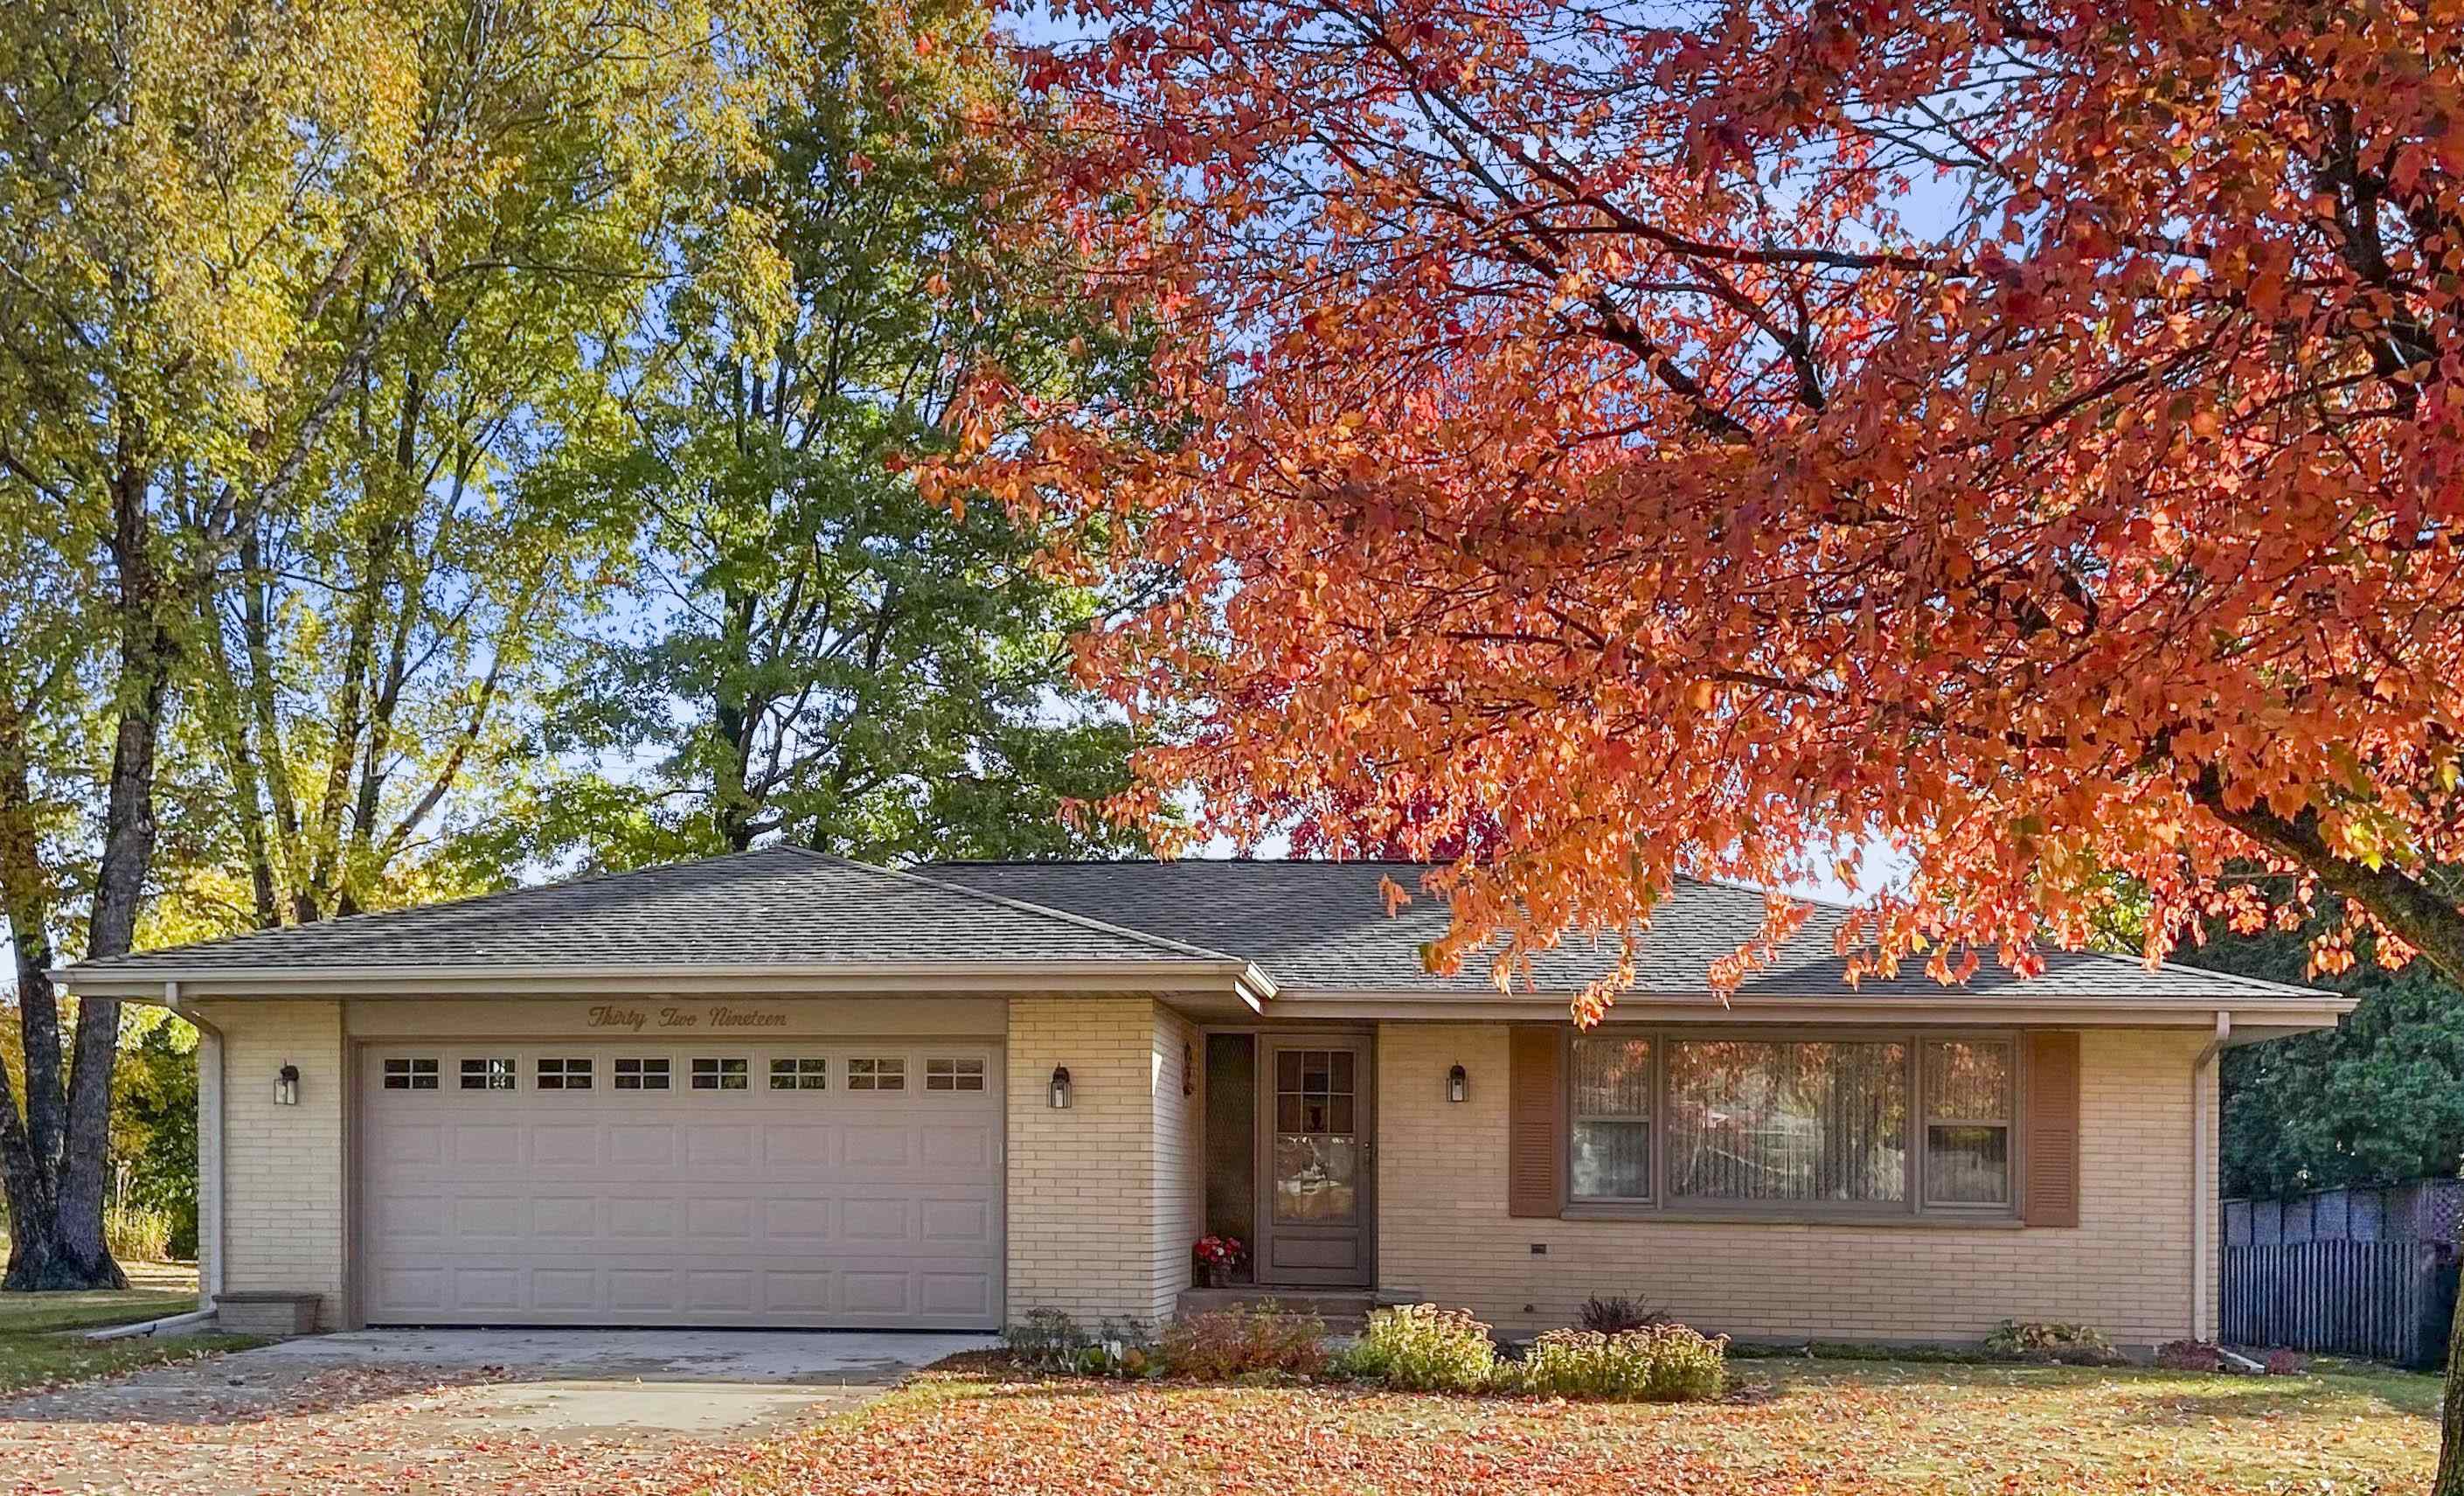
[1422, 1348]
[1658, 1363]
[1617, 1315]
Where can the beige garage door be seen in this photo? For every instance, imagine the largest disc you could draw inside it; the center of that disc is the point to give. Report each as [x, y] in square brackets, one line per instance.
[854, 1185]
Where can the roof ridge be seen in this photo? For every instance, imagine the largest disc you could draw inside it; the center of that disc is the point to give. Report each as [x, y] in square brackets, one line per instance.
[1064, 917]
[1721, 884]
[2264, 983]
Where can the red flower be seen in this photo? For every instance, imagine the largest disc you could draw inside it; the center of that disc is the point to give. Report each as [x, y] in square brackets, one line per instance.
[1220, 1251]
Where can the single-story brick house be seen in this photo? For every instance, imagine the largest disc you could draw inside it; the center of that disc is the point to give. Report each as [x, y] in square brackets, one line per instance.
[783, 1089]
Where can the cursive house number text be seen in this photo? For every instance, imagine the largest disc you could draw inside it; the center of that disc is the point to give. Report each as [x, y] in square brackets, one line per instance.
[608, 1015]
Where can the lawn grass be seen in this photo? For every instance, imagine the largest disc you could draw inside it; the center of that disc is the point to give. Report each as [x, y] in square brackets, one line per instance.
[41, 1339]
[154, 1290]
[1793, 1427]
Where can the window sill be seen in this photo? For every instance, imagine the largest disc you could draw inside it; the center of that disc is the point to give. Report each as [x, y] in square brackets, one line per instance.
[1698, 1216]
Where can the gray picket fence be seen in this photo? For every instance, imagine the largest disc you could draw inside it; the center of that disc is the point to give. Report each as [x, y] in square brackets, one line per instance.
[2347, 1273]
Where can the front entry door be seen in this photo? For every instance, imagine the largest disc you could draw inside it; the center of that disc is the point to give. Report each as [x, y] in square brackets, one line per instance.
[1315, 1153]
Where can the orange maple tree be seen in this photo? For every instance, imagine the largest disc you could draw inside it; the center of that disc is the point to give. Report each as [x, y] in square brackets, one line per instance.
[1704, 439]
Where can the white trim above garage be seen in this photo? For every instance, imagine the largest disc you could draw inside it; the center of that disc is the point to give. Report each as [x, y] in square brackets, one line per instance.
[675, 1015]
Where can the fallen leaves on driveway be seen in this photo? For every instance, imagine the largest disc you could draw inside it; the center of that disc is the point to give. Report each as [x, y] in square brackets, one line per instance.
[402, 1432]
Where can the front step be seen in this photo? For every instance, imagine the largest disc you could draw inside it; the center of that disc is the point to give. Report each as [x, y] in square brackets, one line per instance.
[1346, 1313]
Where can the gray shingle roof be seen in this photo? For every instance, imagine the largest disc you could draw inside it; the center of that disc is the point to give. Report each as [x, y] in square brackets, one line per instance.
[1323, 926]
[780, 906]
[1310, 925]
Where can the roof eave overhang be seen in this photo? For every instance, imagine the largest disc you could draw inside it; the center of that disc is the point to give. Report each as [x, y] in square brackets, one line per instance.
[2272, 1015]
[170, 985]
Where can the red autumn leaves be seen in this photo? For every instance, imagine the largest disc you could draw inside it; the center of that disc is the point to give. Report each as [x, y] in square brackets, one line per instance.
[1617, 450]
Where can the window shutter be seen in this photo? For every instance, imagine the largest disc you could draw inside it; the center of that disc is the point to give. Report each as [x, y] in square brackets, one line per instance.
[1535, 1124]
[2052, 1077]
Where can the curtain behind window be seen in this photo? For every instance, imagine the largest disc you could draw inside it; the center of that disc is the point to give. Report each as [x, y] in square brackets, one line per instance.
[1787, 1121]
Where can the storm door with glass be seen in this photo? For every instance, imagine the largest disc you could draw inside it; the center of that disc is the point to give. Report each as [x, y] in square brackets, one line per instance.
[1315, 1151]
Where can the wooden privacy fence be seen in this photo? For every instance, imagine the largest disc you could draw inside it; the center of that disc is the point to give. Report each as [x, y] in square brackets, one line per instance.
[2348, 1273]
[2378, 1299]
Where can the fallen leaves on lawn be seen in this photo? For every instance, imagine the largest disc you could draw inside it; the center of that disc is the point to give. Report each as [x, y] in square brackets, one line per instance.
[1878, 1431]
[1056, 1437]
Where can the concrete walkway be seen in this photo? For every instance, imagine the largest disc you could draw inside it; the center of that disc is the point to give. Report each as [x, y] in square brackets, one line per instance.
[691, 1381]
[806, 1357]
[449, 1410]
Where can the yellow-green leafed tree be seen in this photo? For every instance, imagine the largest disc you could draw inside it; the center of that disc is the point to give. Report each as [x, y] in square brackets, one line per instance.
[281, 286]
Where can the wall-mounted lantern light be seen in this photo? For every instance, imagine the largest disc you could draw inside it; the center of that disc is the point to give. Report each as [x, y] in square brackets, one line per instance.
[286, 1086]
[1060, 1093]
[1458, 1085]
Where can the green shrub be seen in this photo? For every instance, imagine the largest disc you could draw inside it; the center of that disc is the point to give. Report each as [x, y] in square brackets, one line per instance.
[1422, 1348]
[1661, 1363]
[2048, 1340]
[1047, 1339]
[137, 1233]
[1222, 1344]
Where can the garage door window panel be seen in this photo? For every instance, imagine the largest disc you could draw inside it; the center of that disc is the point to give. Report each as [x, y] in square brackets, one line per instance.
[641, 1075]
[564, 1074]
[877, 1072]
[405, 1072]
[488, 1074]
[945, 1072]
[800, 1072]
[722, 1073]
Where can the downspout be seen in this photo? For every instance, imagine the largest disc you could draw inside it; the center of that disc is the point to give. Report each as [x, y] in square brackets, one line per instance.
[2203, 1214]
[209, 1150]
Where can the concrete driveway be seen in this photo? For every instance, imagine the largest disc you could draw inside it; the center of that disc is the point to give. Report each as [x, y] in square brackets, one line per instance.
[452, 1410]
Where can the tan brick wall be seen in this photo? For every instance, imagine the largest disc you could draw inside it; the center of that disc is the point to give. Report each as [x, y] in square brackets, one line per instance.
[284, 1167]
[1100, 1194]
[1443, 1231]
[1181, 1189]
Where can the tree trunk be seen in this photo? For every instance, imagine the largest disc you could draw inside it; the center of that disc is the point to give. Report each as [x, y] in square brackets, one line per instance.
[736, 717]
[73, 1252]
[53, 1162]
[2451, 1419]
[2426, 921]
[59, 1243]
[31, 1144]
[230, 725]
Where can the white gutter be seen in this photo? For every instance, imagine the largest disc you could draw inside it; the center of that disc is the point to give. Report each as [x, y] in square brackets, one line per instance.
[210, 1213]
[1947, 1006]
[2203, 1206]
[1242, 979]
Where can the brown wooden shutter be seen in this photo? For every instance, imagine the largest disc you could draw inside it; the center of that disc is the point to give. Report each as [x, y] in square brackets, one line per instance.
[2051, 1126]
[1535, 1122]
